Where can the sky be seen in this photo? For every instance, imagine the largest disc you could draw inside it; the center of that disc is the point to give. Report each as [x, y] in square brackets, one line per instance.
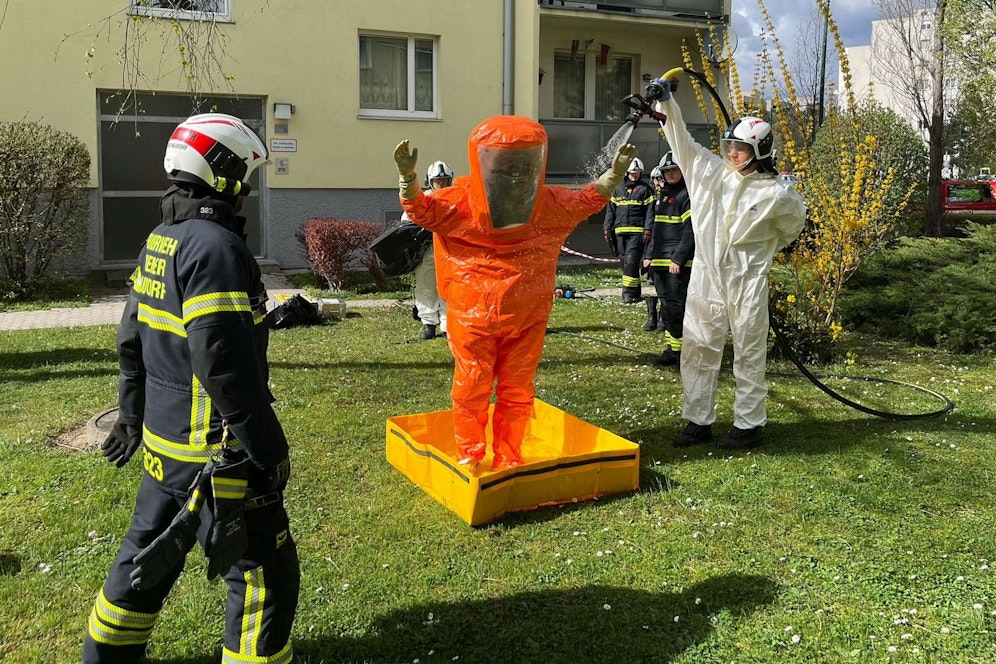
[794, 17]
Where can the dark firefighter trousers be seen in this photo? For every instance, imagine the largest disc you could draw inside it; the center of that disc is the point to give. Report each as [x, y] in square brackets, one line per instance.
[672, 289]
[262, 587]
[631, 256]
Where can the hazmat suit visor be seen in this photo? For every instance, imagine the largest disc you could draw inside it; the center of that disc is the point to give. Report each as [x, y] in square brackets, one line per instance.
[736, 154]
[511, 178]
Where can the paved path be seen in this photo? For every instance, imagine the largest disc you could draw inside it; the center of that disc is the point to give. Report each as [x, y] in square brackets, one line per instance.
[106, 310]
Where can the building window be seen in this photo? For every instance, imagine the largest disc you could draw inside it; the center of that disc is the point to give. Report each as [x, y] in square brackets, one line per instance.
[586, 89]
[398, 76]
[193, 10]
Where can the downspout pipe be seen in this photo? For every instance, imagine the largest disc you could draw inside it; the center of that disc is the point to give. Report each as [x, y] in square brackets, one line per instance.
[508, 76]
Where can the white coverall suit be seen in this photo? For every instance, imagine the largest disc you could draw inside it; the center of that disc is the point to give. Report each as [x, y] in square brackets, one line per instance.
[430, 306]
[740, 222]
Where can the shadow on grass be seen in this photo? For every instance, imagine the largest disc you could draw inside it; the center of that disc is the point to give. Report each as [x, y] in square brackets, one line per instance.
[39, 366]
[592, 624]
[814, 437]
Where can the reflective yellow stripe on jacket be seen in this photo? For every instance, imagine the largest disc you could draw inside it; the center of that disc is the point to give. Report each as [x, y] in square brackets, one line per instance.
[185, 452]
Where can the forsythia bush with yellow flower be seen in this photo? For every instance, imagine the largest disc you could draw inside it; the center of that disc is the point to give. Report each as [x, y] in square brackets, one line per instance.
[854, 197]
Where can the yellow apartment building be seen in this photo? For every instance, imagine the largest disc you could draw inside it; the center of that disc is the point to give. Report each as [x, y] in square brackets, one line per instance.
[332, 86]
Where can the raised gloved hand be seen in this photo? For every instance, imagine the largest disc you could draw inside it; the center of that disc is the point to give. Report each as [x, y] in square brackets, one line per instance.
[229, 538]
[406, 162]
[122, 442]
[607, 181]
[168, 551]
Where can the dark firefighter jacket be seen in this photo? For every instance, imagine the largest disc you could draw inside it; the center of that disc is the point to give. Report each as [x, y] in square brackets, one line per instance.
[630, 209]
[192, 344]
[672, 239]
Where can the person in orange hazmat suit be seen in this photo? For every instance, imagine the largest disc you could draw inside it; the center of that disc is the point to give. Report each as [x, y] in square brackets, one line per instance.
[497, 234]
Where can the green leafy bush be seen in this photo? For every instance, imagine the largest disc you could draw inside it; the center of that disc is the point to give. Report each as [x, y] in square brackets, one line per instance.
[44, 206]
[333, 246]
[932, 291]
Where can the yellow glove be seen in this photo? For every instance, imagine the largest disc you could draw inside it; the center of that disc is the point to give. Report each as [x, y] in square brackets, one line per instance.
[607, 181]
[406, 162]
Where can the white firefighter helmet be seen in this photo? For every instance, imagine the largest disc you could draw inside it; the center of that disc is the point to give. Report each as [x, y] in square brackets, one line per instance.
[216, 150]
[668, 162]
[753, 132]
[657, 173]
[635, 166]
[439, 171]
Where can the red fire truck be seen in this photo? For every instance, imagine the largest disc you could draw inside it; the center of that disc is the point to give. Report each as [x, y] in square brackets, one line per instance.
[969, 196]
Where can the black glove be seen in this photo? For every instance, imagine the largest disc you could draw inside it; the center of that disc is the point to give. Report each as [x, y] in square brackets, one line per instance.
[278, 476]
[122, 442]
[167, 552]
[610, 238]
[228, 540]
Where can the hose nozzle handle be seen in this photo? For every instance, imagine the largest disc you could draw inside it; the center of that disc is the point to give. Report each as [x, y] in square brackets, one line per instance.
[656, 86]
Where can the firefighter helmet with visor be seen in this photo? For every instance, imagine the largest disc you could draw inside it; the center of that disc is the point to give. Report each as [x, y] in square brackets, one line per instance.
[750, 133]
[215, 150]
[439, 173]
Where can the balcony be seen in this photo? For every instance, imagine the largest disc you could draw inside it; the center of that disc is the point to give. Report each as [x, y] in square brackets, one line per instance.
[694, 10]
[575, 145]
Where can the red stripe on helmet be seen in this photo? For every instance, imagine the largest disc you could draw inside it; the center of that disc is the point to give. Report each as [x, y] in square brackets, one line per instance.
[198, 141]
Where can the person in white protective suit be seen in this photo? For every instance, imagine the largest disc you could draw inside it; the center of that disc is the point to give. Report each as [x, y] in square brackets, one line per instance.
[431, 308]
[742, 215]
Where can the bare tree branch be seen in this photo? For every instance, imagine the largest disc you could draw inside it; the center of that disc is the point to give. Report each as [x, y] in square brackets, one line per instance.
[910, 59]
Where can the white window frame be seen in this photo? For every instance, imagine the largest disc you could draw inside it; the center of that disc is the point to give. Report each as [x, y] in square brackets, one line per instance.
[144, 8]
[590, 64]
[410, 113]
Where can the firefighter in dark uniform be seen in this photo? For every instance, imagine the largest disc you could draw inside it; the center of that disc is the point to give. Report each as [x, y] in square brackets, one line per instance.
[669, 255]
[193, 396]
[629, 219]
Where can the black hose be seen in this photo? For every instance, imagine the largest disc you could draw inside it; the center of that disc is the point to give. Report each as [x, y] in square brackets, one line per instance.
[790, 354]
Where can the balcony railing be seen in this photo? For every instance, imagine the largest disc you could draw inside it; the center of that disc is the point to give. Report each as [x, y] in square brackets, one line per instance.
[699, 10]
[575, 145]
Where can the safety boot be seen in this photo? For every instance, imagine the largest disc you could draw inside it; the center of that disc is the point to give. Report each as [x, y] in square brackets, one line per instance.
[428, 332]
[741, 439]
[668, 358]
[652, 318]
[694, 434]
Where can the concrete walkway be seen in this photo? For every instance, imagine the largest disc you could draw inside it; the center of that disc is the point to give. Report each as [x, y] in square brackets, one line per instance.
[106, 309]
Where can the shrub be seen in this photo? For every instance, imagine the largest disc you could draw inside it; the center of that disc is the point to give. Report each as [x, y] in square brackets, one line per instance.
[44, 206]
[933, 291]
[333, 246]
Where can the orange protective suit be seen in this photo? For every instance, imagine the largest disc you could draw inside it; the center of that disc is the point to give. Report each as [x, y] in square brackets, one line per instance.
[497, 237]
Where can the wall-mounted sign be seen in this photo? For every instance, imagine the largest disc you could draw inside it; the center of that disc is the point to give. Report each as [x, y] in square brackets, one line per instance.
[283, 145]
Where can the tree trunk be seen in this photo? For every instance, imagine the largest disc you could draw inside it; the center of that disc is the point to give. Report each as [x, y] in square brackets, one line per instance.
[933, 222]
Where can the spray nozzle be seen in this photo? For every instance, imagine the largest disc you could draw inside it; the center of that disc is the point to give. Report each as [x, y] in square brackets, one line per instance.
[641, 106]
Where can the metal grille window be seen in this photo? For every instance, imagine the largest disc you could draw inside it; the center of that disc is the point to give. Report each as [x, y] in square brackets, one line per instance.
[194, 10]
[397, 76]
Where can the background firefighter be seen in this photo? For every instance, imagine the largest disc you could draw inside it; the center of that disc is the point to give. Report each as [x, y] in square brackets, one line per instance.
[430, 308]
[670, 257]
[193, 390]
[629, 220]
[497, 234]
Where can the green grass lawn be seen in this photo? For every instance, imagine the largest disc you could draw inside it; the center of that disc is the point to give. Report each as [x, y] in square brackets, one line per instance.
[845, 538]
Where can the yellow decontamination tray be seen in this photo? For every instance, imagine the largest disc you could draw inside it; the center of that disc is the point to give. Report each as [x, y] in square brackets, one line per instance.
[565, 459]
